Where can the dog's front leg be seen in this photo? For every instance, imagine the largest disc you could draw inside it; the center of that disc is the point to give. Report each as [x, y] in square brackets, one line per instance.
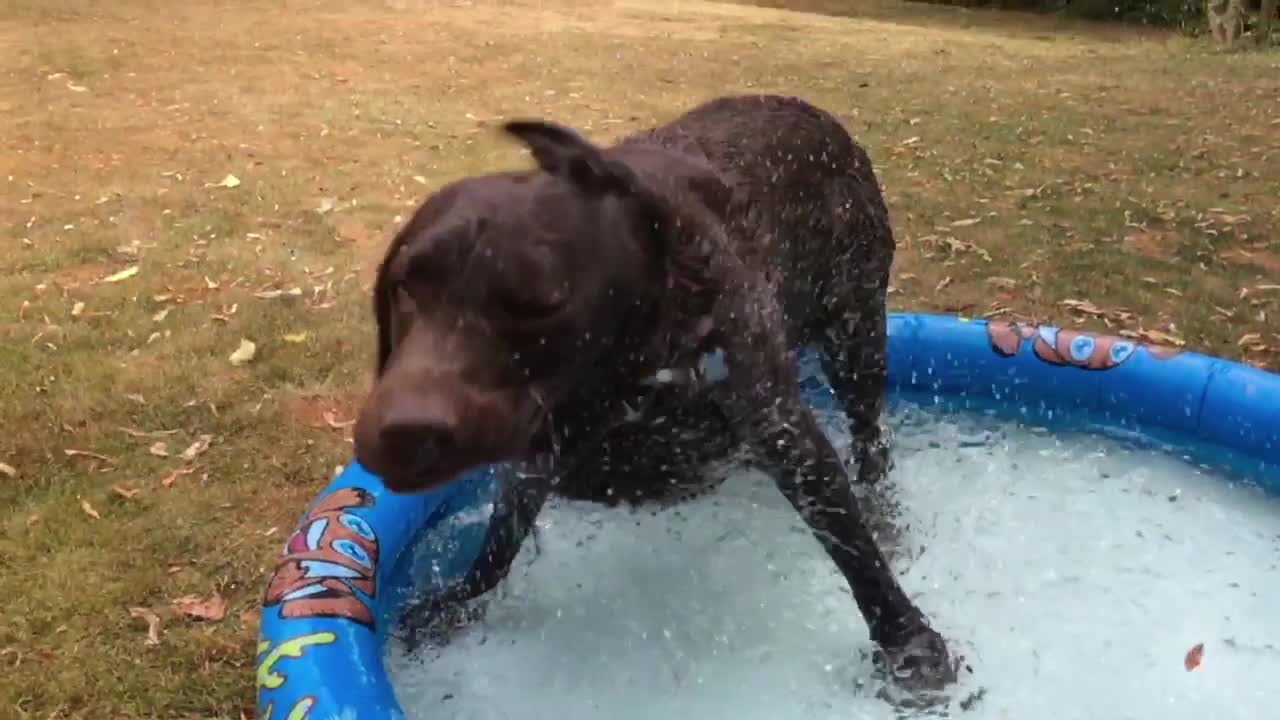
[515, 512]
[808, 471]
[855, 360]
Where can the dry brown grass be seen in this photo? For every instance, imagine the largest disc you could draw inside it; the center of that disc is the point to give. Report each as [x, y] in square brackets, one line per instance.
[1130, 170]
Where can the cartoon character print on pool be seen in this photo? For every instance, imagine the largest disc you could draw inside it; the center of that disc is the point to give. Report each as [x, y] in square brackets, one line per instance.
[1069, 347]
[330, 556]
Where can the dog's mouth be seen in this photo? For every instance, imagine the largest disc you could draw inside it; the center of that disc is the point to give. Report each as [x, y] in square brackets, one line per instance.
[530, 434]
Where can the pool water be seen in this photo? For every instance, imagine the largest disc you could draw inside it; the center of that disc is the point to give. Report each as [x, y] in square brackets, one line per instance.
[1074, 573]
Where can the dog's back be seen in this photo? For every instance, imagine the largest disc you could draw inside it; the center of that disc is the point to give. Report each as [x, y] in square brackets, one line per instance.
[805, 205]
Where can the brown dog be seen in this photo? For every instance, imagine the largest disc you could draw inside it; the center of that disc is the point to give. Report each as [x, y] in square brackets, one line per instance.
[555, 319]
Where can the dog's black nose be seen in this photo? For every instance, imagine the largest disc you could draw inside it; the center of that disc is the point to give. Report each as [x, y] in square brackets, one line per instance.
[415, 443]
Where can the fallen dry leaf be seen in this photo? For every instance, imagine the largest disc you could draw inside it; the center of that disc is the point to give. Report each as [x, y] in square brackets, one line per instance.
[333, 421]
[230, 181]
[153, 624]
[966, 222]
[173, 570]
[243, 354]
[134, 432]
[159, 449]
[1003, 283]
[77, 310]
[72, 452]
[7, 469]
[76, 88]
[199, 446]
[273, 294]
[1193, 658]
[124, 492]
[124, 274]
[249, 619]
[88, 510]
[300, 337]
[213, 608]
[160, 316]
[168, 480]
[1155, 337]
[1249, 339]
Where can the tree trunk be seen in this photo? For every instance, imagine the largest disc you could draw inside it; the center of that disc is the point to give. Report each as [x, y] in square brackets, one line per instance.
[1266, 18]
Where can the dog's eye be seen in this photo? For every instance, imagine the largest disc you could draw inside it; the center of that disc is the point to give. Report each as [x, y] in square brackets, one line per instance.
[529, 306]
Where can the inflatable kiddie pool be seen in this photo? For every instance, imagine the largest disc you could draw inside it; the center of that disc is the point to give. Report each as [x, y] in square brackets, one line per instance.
[360, 551]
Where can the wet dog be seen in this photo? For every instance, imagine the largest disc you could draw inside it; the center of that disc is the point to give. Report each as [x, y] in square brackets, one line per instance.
[556, 318]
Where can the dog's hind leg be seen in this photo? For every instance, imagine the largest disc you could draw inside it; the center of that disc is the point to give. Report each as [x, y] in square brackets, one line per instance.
[855, 337]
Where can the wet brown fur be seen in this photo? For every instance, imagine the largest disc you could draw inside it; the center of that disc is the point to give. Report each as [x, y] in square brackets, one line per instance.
[520, 315]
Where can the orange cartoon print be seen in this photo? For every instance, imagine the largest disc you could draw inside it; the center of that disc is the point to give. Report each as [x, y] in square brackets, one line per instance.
[1068, 347]
[332, 554]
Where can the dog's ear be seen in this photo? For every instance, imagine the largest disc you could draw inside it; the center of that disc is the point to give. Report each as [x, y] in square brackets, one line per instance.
[563, 152]
[384, 304]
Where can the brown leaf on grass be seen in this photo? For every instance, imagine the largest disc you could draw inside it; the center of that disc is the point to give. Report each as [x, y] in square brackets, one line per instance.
[77, 310]
[1085, 307]
[1249, 339]
[966, 222]
[1155, 337]
[173, 569]
[249, 619]
[159, 449]
[168, 480]
[942, 284]
[199, 446]
[134, 432]
[72, 452]
[124, 492]
[124, 274]
[153, 624]
[243, 354]
[160, 316]
[212, 608]
[295, 338]
[7, 469]
[88, 510]
[333, 421]
[1003, 283]
[273, 294]
[1193, 657]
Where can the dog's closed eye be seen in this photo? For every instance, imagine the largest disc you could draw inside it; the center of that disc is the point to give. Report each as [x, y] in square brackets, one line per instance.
[531, 286]
[519, 303]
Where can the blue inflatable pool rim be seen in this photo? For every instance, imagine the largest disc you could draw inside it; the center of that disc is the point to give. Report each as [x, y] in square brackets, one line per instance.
[359, 551]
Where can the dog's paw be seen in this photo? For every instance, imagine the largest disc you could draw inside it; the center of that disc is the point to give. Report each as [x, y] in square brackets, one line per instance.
[433, 622]
[874, 461]
[919, 664]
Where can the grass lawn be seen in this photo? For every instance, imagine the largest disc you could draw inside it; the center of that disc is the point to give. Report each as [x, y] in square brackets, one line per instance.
[178, 177]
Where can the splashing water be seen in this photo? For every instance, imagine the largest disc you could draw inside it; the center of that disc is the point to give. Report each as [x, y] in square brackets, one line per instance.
[1072, 572]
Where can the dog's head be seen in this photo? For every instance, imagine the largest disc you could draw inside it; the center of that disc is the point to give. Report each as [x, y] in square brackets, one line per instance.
[494, 299]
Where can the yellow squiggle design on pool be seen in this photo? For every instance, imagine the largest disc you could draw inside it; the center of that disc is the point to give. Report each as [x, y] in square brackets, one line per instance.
[270, 678]
[300, 709]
